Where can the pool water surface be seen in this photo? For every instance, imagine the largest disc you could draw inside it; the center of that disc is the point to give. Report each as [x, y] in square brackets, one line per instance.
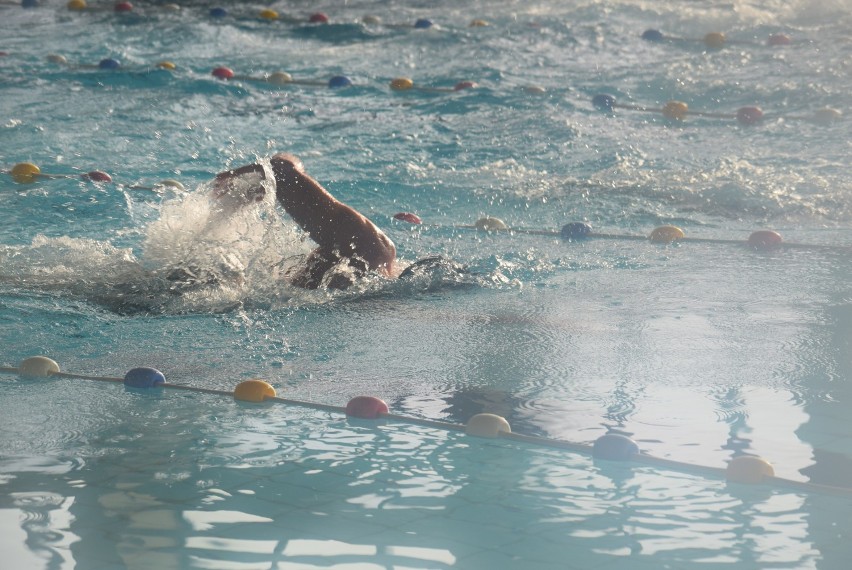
[699, 350]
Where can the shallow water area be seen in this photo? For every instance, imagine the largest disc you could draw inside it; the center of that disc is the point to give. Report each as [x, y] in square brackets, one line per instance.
[193, 481]
[700, 350]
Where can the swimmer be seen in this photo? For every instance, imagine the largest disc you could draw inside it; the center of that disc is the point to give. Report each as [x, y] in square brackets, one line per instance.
[349, 244]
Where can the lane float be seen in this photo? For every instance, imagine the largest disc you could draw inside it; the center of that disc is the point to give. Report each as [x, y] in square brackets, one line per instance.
[254, 391]
[144, 377]
[616, 447]
[281, 78]
[407, 84]
[666, 234]
[108, 64]
[673, 110]
[29, 173]
[714, 40]
[408, 217]
[679, 111]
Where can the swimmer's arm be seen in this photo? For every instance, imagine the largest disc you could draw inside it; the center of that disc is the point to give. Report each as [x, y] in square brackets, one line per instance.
[331, 223]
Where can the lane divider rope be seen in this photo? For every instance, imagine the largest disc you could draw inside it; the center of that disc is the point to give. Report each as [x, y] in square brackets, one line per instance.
[744, 469]
[667, 234]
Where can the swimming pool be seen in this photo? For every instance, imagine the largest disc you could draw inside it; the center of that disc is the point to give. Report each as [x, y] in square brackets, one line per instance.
[699, 350]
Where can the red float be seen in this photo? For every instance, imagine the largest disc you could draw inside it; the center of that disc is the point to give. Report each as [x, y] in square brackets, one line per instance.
[749, 115]
[765, 239]
[779, 40]
[98, 176]
[464, 85]
[366, 407]
[223, 73]
[408, 217]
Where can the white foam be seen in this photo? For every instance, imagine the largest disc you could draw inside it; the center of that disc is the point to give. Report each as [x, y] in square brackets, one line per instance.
[213, 251]
[57, 262]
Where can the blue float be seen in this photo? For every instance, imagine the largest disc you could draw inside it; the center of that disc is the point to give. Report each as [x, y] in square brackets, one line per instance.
[218, 12]
[615, 447]
[423, 23]
[575, 230]
[109, 63]
[652, 35]
[144, 377]
[603, 102]
[339, 81]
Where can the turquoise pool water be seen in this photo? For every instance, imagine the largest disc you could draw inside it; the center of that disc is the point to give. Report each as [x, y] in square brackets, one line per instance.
[196, 481]
[699, 351]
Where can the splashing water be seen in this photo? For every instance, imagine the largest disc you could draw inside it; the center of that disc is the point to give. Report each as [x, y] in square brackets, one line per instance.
[237, 235]
[209, 250]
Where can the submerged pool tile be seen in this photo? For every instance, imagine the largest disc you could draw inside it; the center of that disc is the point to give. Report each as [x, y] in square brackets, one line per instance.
[492, 560]
[291, 497]
[319, 479]
[483, 535]
[499, 517]
[391, 551]
[98, 545]
[345, 526]
[394, 515]
[419, 540]
[234, 481]
[327, 549]
[571, 554]
[233, 546]
[174, 558]
[255, 505]
[322, 522]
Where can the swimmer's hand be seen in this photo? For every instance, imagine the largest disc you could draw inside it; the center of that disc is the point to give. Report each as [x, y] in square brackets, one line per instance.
[240, 186]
